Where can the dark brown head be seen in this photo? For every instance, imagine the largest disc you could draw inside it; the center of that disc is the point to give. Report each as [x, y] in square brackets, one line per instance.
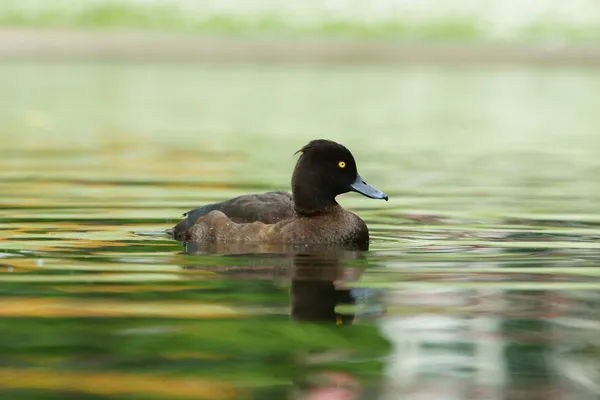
[324, 170]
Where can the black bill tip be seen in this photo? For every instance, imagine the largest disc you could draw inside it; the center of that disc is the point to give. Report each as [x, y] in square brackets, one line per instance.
[362, 187]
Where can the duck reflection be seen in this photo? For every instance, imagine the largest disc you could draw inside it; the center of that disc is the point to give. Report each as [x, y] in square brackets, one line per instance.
[318, 278]
[317, 275]
[317, 287]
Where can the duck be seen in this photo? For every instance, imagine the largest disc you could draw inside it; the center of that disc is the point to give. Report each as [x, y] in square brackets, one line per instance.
[309, 215]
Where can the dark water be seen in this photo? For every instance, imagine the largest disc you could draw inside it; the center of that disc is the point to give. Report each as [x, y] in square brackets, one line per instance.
[482, 278]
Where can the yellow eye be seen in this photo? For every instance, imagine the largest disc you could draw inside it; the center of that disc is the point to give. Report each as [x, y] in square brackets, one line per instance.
[342, 164]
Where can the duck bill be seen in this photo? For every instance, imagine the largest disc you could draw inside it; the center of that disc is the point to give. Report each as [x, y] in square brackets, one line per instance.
[362, 187]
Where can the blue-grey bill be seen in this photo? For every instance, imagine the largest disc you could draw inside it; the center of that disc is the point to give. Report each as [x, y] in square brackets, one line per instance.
[365, 189]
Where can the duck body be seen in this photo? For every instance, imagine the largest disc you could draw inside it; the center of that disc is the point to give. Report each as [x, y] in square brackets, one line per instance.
[336, 226]
[268, 208]
[310, 215]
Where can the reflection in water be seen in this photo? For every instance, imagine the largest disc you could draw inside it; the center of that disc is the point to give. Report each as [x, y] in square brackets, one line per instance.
[318, 278]
[451, 344]
[577, 351]
[317, 274]
[317, 288]
[486, 343]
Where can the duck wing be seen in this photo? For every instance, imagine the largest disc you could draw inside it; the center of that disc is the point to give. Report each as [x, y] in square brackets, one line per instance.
[268, 208]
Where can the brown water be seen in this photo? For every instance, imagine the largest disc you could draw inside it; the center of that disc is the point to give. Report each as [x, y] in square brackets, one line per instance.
[481, 281]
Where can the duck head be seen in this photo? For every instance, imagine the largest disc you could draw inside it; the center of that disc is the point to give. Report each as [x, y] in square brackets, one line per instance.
[324, 170]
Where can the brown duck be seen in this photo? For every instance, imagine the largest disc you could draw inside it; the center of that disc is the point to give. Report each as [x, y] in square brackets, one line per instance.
[310, 215]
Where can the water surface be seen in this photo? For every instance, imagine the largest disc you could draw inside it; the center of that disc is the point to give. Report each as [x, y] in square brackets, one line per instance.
[481, 281]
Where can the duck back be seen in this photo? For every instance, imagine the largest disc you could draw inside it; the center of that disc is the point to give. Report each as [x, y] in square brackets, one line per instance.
[268, 208]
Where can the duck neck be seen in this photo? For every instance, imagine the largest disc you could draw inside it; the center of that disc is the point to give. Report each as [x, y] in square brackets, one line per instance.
[310, 202]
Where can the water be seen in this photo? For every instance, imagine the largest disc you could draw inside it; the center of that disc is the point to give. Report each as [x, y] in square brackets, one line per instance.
[481, 281]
